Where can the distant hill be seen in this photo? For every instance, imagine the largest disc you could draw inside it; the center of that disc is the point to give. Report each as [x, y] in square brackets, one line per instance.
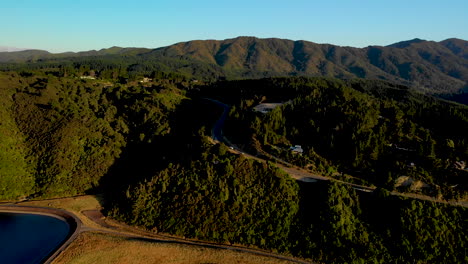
[34, 55]
[23, 56]
[437, 67]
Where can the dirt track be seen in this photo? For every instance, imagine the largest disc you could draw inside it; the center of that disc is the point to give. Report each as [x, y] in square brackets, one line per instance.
[115, 228]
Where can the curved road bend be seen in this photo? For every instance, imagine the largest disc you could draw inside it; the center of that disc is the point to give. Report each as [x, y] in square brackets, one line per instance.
[301, 174]
[293, 171]
[77, 227]
[217, 131]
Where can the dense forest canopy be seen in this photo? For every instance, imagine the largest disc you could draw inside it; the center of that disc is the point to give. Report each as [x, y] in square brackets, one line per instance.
[142, 137]
[64, 133]
[374, 130]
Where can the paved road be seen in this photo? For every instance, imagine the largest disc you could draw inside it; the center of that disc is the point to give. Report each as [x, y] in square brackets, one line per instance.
[218, 136]
[217, 131]
[304, 175]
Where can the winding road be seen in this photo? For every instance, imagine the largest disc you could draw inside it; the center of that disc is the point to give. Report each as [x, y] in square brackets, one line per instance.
[77, 226]
[301, 174]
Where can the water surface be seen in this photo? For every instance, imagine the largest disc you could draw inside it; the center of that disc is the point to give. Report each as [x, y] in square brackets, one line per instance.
[29, 238]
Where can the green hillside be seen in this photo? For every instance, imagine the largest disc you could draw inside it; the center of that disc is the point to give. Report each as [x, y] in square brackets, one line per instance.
[16, 169]
[373, 130]
[61, 135]
[145, 146]
[435, 67]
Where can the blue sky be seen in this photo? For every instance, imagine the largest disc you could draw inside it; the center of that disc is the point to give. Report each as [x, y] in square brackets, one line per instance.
[76, 25]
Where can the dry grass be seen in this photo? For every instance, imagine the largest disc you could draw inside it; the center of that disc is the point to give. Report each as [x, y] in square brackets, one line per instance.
[106, 248]
[103, 248]
[74, 204]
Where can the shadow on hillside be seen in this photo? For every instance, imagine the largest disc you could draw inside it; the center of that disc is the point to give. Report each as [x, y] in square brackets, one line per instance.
[142, 160]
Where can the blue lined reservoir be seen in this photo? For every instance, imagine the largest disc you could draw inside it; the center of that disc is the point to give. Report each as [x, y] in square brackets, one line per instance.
[29, 238]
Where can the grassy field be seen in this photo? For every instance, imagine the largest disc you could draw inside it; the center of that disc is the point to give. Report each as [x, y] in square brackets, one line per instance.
[103, 248]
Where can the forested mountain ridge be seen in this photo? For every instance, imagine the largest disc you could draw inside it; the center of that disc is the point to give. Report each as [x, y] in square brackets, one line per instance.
[437, 67]
[440, 66]
[35, 55]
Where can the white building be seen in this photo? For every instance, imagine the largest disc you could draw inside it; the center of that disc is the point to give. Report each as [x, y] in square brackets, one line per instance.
[296, 149]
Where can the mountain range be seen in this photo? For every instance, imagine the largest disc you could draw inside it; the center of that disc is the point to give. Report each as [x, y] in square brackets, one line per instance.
[438, 67]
